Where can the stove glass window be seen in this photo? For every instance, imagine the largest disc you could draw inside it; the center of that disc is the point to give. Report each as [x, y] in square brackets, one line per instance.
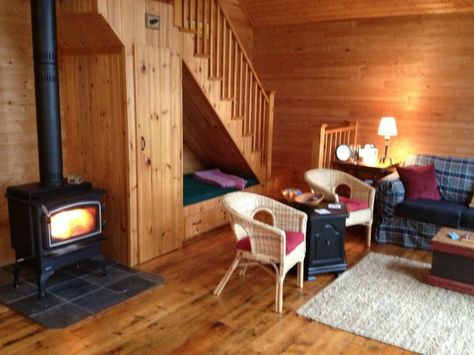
[74, 223]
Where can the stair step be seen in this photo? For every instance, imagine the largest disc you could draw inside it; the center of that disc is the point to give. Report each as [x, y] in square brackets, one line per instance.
[187, 30]
[231, 98]
[238, 117]
[215, 78]
[202, 55]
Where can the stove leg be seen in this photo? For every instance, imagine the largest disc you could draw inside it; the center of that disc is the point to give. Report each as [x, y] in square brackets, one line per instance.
[16, 274]
[42, 283]
[103, 264]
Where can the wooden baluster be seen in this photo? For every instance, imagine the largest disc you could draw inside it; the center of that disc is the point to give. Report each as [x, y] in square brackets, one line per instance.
[264, 125]
[241, 81]
[235, 106]
[245, 100]
[179, 6]
[192, 5]
[255, 115]
[259, 137]
[197, 36]
[250, 116]
[218, 41]
[204, 26]
[231, 64]
[211, 38]
[224, 57]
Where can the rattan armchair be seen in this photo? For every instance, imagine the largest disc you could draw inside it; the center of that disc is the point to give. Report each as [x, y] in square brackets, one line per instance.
[266, 244]
[326, 181]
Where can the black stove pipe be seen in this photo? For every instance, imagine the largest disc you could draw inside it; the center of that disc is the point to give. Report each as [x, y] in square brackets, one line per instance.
[43, 19]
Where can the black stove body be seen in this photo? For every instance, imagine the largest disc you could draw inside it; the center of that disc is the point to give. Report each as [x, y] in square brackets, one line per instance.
[52, 223]
[55, 227]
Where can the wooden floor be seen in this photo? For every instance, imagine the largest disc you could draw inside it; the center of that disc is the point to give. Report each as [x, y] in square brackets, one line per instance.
[182, 316]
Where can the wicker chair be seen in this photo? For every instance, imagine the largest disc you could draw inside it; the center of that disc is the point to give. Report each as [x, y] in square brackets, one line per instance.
[326, 181]
[281, 245]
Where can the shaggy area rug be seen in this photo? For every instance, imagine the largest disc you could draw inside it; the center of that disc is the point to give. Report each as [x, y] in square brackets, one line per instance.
[385, 298]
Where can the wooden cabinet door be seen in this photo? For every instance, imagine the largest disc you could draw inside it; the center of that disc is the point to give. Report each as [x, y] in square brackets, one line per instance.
[158, 104]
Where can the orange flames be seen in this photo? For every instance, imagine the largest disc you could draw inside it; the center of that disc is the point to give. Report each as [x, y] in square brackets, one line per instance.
[72, 223]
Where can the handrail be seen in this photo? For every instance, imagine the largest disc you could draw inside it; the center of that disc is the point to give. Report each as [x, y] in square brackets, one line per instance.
[327, 139]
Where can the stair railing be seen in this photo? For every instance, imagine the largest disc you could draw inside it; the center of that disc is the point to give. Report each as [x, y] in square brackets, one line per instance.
[215, 38]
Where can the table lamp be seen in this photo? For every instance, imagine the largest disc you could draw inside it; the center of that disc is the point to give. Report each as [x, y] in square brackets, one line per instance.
[387, 128]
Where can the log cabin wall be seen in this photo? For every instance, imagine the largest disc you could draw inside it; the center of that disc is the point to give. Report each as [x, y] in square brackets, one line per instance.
[18, 142]
[416, 68]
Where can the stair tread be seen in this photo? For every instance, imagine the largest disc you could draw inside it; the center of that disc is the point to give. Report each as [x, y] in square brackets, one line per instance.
[201, 55]
[215, 78]
[227, 98]
[187, 30]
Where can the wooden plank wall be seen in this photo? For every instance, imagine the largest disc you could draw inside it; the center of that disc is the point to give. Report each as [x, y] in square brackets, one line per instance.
[191, 163]
[18, 146]
[265, 13]
[93, 123]
[418, 69]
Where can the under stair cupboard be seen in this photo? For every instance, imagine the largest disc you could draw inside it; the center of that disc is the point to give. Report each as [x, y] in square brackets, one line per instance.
[135, 96]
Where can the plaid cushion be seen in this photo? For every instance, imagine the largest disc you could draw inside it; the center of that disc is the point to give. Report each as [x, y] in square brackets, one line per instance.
[455, 178]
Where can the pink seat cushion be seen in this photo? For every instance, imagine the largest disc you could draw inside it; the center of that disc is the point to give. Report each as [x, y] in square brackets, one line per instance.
[293, 239]
[354, 205]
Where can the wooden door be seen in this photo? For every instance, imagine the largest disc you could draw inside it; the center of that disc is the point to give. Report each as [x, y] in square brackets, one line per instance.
[158, 94]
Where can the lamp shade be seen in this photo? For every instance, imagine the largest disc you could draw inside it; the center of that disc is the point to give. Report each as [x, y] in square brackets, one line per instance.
[387, 127]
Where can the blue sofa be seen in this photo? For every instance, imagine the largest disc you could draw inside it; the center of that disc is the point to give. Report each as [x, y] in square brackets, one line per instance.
[414, 223]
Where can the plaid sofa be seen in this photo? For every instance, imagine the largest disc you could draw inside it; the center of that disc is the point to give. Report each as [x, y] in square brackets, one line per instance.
[455, 178]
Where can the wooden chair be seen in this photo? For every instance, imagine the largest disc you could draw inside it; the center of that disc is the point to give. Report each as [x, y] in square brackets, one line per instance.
[328, 181]
[281, 245]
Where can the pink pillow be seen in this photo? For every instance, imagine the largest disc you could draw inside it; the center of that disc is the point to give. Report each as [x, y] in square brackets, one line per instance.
[419, 182]
[217, 177]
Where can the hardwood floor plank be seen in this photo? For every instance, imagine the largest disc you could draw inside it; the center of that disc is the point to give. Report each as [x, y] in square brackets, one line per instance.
[182, 316]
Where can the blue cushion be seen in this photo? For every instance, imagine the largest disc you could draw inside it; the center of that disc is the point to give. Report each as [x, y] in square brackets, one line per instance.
[443, 213]
[467, 219]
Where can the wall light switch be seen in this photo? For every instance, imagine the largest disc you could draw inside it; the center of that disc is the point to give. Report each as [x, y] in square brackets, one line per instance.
[152, 21]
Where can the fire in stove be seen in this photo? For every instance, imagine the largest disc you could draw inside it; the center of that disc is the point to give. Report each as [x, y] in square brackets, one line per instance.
[71, 224]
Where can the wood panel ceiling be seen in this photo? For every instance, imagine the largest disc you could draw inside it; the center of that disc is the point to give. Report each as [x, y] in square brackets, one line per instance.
[265, 13]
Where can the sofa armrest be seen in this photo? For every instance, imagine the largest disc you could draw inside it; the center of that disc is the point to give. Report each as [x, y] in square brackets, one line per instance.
[389, 194]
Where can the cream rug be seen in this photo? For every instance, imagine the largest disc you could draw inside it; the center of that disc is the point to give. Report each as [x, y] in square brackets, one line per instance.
[384, 298]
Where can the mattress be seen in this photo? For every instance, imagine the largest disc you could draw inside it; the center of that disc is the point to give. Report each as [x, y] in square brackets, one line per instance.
[196, 191]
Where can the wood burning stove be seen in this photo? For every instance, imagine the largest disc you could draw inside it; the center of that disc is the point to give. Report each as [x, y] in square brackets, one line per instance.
[55, 227]
[52, 223]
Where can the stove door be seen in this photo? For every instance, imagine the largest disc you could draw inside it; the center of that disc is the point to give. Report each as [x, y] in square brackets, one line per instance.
[72, 222]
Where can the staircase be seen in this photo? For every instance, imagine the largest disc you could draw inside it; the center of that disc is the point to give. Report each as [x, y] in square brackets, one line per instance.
[218, 62]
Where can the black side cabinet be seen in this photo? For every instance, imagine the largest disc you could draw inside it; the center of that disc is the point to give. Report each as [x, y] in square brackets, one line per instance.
[325, 241]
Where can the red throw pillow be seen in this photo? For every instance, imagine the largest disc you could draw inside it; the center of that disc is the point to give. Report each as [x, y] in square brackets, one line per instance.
[419, 182]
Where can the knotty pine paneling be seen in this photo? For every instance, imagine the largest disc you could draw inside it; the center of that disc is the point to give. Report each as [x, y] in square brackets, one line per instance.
[265, 13]
[418, 69]
[191, 163]
[93, 109]
[18, 146]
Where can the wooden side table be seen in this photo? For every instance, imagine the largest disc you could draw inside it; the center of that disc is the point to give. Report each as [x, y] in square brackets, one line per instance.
[365, 172]
[325, 241]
